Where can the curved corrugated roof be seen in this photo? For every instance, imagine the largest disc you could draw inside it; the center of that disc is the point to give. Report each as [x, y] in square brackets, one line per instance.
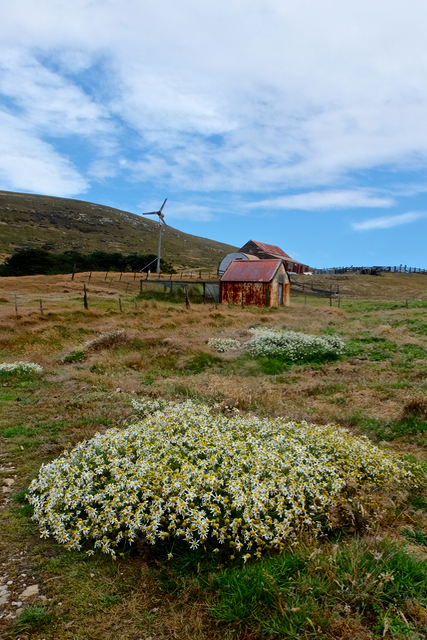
[251, 271]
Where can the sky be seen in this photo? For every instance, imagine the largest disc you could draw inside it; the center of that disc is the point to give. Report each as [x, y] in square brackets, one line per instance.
[294, 122]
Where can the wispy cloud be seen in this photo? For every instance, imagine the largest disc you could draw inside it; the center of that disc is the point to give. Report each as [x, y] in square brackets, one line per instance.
[386, 222]
[195, 212]
[320, 200]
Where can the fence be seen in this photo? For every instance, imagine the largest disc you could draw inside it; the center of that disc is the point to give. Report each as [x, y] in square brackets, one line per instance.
[370, 270]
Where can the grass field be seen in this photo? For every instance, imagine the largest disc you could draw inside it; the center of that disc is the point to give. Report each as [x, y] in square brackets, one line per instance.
[366, 578]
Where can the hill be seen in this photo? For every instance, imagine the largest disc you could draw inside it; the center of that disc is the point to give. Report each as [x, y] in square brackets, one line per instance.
[61, 224]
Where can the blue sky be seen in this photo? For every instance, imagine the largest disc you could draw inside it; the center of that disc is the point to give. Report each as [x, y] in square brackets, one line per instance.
[295, 122]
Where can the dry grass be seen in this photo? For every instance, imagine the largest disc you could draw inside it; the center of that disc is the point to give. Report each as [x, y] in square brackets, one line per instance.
[166, 355]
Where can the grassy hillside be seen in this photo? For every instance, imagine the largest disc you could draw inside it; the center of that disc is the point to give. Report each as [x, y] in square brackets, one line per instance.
[60, 224]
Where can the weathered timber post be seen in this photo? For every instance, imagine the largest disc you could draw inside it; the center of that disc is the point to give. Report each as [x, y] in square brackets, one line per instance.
[90, 275]
[41, 306]
[120, 304]
[121, 273]
[85, 297]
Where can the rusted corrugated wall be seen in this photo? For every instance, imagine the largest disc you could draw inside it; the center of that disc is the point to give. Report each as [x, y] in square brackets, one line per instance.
[269, 277]
[252, 293]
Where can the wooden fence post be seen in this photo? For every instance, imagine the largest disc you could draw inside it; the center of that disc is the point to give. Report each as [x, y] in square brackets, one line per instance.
[41, 306]
[85, 297]
[120, 303]
[16, 304]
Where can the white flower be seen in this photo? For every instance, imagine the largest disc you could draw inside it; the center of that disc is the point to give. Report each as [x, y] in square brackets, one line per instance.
[184, 471]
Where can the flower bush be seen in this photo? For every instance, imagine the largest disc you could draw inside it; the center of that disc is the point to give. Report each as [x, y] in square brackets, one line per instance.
[224, 344]
[19, 368]
[185, 471]
[294, 346]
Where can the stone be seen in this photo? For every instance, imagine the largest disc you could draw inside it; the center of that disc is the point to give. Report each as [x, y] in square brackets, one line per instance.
[8, 481]
[32, 590]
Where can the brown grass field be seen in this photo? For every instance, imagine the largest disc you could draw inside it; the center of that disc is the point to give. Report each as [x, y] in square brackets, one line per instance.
[379, 390]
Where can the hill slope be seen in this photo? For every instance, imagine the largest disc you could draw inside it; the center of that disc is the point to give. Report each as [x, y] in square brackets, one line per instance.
[61, 224]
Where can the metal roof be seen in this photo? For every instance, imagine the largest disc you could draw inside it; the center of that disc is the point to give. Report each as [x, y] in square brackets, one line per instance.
[251, 271]
[272, 249]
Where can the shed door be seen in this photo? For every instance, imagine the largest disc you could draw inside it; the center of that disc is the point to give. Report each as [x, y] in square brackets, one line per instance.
[280, 293]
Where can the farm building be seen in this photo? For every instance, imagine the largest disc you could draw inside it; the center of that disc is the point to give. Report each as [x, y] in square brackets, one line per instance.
[230, 257]
[258, 282]
[265, 251]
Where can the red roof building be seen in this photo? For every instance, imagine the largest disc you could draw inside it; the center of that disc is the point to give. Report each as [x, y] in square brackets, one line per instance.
[259, 282]
[265, 251]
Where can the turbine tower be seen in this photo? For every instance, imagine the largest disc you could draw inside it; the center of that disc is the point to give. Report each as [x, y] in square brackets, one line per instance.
[161, 221]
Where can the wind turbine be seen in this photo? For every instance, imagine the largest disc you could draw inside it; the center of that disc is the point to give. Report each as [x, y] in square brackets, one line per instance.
[161, 221]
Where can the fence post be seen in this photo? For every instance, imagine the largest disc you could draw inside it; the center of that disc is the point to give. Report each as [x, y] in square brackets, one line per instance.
[187, 299]
[16, 304]
[90, 275]
[106, 274]
[41, 306]
[120, 303]
[121, 273]
[85, 297]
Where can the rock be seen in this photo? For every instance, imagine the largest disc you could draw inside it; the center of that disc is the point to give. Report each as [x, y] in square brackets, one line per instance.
[16, 604]
[32, 590]
[8, 481]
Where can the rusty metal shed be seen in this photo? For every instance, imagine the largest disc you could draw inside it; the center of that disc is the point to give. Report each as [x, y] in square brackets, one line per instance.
[262, 283]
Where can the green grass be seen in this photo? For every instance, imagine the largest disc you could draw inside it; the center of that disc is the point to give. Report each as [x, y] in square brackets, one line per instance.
[32, 618]
[303, 591]
[77, 355]
[416, 536]
[370, 347]
[202, 361]
[391, 429]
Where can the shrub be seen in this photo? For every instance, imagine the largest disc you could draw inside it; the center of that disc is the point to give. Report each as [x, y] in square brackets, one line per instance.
[184, 471]
[9, 369]
[294, 347]
[224, 344]
[103, 341]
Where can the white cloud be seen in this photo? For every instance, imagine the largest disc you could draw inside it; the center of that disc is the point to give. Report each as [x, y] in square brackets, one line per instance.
[386, 222]
[233, 95]
[29, 164]
[319, 200]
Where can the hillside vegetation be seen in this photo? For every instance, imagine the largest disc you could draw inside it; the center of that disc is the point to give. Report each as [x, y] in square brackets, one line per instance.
[126, 372]
[62, 224]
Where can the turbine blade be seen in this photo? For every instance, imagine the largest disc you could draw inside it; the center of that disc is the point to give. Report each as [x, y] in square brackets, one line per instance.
[150, 213]
[161, 208]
